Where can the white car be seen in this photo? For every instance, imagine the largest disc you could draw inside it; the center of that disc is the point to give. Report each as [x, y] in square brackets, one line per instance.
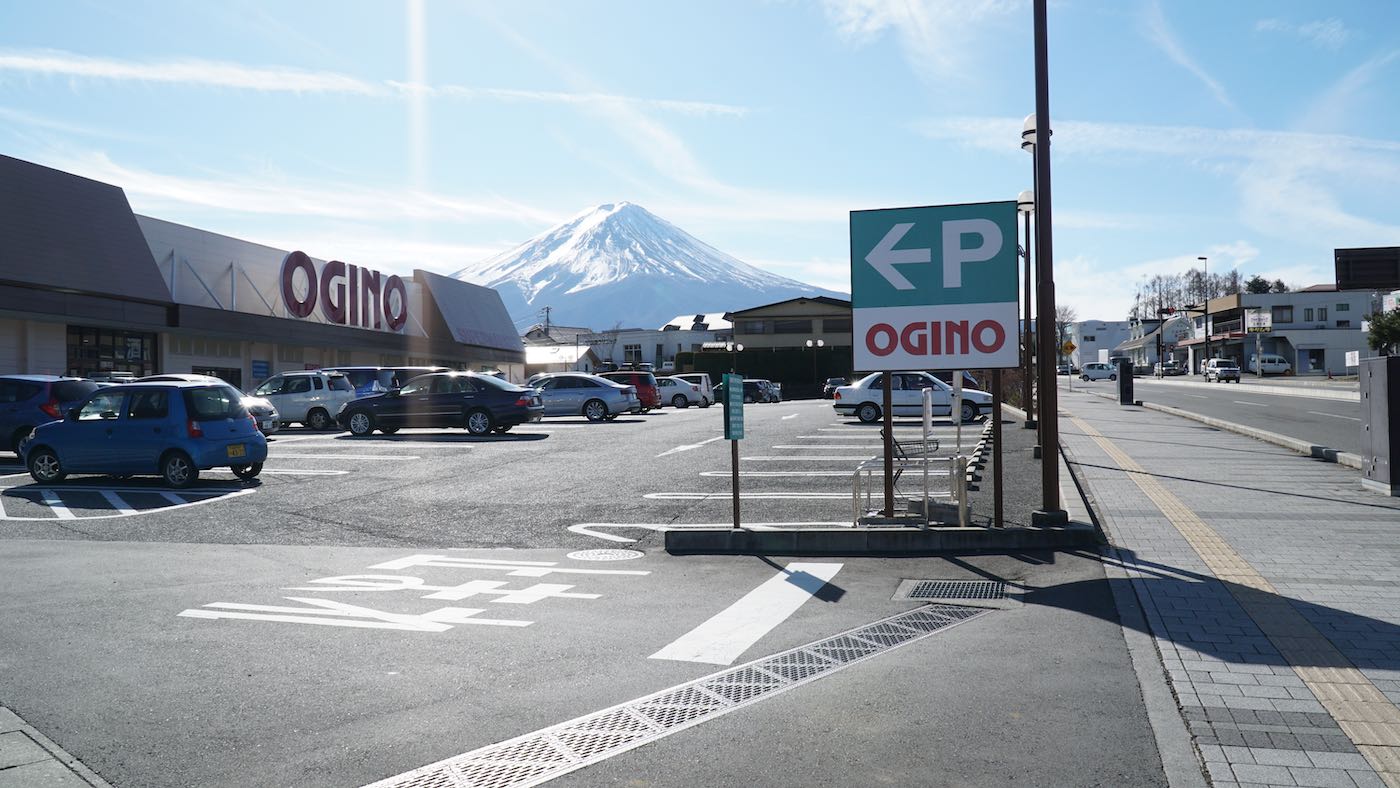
[864, 398]
[312, 397]
[701, 379]
[1098, 371]
[1272, 363]
[678, 393]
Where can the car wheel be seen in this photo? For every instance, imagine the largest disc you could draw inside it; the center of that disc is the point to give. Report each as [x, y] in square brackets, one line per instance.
[178, 470]
[1112, 377]
[704, 403]
[361, 423]
[1084, 378]
[479, 422]
[318, 420]
[679, 401]
[45, 467]
[968, 412]
[503, 429]
[868, 413]
[388, 430]
[18, 437]
[247, 472]
[595, 410]
[613, 416]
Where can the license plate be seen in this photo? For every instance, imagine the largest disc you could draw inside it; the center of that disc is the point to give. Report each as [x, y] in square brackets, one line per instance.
[237, 450]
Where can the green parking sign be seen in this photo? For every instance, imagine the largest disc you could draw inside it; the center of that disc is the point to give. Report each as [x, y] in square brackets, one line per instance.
[733, 407]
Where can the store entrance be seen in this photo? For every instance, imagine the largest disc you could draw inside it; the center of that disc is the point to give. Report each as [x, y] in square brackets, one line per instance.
[103, 351]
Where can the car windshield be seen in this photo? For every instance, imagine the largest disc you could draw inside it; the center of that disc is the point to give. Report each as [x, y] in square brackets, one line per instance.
[340, 383]
[362, 377]
[269, 387]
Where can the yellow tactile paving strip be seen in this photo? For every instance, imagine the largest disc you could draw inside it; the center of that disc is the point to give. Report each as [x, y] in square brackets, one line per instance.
[1365, 714]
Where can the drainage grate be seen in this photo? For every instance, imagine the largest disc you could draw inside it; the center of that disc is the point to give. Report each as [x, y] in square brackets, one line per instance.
[546, 754]
[958, 589]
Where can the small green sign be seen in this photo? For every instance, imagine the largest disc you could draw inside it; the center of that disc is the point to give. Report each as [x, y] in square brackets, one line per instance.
[733, 407]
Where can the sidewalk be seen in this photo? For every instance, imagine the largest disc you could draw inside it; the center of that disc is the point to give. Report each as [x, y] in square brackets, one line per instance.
[1270, 583]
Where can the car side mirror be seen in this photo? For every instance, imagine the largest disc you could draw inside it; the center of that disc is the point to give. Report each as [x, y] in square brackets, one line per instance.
[394, 392]
[73, 413]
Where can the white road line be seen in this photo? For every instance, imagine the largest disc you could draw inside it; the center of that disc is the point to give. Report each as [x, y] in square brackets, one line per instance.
[790, 416]
[1333, 415]
[679, 449]
[173, 498]
[54, 502]
[734, 630]
[748, 496]
[872, 447]
[1197, 396]
[117, 503]
[342, 457]
[303, 472]
[589, 529]
[805, 459]
[1247, 402]
[776, 474]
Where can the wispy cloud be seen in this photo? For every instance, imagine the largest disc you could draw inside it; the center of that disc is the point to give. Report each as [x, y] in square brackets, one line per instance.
[1160, 32]
[933, 34]
[222, 74]
[154, 191]
[1326, 33]
[1337, 106]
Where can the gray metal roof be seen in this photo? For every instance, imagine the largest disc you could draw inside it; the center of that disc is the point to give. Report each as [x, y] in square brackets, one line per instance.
[474, 315]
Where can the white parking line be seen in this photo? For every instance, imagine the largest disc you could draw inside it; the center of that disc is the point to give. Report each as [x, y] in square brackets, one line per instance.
[750, 496]
[1197, 396]
[790, 416]
[805, 459]
[873, 447]
[54, 502]
[776, 474]
[173, 498]
[1333, 415]
[690, 446]
[117, 503]
[342, 457]
[1247, 402]
[734, 630]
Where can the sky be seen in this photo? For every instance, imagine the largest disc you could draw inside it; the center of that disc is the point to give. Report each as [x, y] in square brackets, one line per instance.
[435, 134]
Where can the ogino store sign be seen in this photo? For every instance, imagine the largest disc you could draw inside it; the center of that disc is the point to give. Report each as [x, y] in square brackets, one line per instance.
[935, 287]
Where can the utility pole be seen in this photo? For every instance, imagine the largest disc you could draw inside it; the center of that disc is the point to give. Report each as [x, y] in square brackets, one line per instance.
[546, 319]
[1205, 284]
[1050, 512]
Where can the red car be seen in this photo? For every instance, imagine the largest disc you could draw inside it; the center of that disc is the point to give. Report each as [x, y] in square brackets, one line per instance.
[644, 382]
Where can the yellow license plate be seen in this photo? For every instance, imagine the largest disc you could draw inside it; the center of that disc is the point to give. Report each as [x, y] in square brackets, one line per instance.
[237, 450]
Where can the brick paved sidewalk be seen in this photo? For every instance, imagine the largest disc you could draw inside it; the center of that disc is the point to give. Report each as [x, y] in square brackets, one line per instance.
[1270, 583]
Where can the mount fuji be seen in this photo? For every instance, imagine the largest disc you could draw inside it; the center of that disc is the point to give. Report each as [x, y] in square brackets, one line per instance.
[620, 263]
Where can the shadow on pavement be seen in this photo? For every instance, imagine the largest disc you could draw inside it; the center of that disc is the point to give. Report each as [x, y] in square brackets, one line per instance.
[1395, 507]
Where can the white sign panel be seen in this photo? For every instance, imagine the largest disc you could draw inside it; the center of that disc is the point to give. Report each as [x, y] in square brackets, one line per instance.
[1353, 358]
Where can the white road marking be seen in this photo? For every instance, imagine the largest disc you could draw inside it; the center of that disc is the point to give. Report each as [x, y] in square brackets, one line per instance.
[776, 474]
[873, 447]
[305, 472]
[117, 503]
[734, 630]
[588, 529]
[1247, 402]
[805, 459]
[1197, 396]
[54, 502]
[690, 446]
[174, 499]
[342, 456]
[790, 416]
[751, 496]
[1333, 415]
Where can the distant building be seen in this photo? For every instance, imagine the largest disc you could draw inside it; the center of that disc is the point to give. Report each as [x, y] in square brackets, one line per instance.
[1091, 336]
[592, 350]
[787, 325]
[1312, 328]
[1152, 340]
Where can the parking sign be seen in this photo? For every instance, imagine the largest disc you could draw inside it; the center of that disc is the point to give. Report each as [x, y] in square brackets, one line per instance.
[733, 407]
[935, 287]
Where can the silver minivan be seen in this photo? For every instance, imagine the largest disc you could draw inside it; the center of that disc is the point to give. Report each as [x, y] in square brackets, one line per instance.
[1272, 363]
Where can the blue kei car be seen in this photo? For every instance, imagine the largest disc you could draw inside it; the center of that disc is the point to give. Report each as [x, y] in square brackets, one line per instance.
[26, 401]
[174, 430]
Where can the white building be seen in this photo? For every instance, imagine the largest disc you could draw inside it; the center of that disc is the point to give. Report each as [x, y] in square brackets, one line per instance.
[1313, 328]
[594, 349]
[1091, 336]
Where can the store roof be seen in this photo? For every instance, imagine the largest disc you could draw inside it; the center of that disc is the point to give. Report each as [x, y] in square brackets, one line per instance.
[711, 321]
[555, 354]
[63, 232]
[473, 314]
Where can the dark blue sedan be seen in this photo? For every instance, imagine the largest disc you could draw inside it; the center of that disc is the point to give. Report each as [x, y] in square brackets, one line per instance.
[26, 401]
[481, 403]
[171, 429]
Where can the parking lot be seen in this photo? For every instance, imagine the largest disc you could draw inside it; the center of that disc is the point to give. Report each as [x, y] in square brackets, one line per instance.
[370, 606]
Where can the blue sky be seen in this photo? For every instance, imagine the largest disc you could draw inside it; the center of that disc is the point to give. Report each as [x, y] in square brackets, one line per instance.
[434, 134]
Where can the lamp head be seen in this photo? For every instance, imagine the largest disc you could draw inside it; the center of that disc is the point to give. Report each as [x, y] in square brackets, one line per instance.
[1025, 201]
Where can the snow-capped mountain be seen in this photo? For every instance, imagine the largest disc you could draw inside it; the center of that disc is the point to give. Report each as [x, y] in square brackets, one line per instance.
[619, 263]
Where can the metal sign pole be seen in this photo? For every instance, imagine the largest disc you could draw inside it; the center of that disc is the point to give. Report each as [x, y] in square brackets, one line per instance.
[734, 478]
[997, 521]
[889, 446]
[734, 432]
[955, 410]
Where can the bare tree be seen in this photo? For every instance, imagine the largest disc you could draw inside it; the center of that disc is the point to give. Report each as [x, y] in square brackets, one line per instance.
[1065, 317]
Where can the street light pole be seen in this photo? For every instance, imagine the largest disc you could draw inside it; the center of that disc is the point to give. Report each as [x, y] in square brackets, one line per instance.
[1050, 512]
[1025, 203]
[1205, 275]
[734, 348]
[814, 344]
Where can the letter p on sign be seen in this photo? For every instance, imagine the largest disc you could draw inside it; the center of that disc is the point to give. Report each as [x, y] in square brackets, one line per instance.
[954, 254]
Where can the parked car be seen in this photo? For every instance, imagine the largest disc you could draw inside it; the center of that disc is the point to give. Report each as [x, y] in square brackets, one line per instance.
[1098, 370]
[755, 390]
[771, 392]
[1222, 369]
[174, 429]
[968, 381]
[677, 392]
[1067, 369]
[863, 399]
[261, 409]
[26, 401]
[116, 378]
[641, 380]
[1168, 368]
[832, 384]
[481, 403]
[707, 390]
[312, 397]
[1272, 363]
[374, 380]
[580, 394]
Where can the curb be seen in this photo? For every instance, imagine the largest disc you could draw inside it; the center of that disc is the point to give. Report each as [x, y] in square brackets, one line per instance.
[45, 764]
[1305, 448]
[874, 541]
[1299, 390]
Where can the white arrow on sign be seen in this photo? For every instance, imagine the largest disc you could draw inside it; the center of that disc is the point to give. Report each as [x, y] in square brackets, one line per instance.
[884, 257]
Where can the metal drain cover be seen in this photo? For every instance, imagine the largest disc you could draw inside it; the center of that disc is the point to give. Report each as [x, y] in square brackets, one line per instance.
[985, 593]
[605, 555]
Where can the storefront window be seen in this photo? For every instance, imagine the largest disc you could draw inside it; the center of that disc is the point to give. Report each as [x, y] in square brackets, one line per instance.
[102, 351]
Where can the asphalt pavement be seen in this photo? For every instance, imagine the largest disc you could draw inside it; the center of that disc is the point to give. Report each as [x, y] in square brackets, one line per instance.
[374, 606]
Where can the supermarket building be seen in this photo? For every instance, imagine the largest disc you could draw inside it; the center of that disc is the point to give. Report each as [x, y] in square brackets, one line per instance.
[87, 287]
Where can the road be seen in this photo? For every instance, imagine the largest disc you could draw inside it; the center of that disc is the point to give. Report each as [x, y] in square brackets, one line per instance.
[376, 605]
[1326, 422]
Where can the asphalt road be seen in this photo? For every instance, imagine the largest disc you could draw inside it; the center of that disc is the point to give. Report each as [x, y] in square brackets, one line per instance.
[1326, 422]
[376, 605]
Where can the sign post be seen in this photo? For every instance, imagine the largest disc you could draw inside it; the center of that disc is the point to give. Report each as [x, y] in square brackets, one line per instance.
[933, 287]
[734, 431]
[1259, 323]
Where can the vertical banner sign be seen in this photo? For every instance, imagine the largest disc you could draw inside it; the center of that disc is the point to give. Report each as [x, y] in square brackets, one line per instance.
[734, 432]
[935, 287]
